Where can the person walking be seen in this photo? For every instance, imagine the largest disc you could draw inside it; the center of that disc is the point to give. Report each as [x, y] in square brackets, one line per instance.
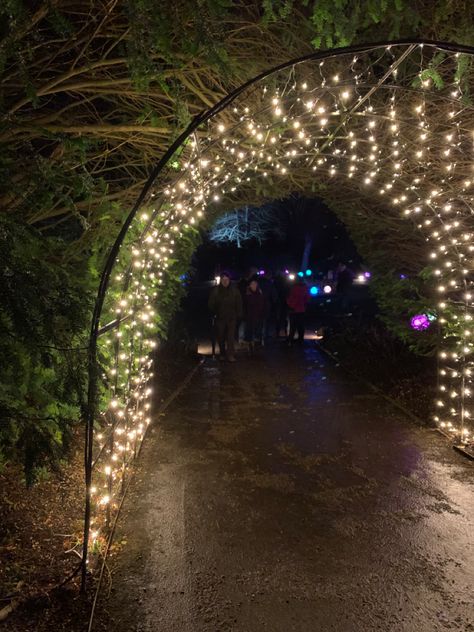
[344, 279]
[254, 313]
[250, 274]
[282, 291]
[297, 301]
[225, 303]
[270, 296]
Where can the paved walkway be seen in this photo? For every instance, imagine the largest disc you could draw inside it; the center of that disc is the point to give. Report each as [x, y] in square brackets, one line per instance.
[279, 495]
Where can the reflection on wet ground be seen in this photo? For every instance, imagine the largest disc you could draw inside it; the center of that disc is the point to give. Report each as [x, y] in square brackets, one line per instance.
[278, 494]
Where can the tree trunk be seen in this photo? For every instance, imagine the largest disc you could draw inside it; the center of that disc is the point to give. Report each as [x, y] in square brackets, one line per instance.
[308, 246]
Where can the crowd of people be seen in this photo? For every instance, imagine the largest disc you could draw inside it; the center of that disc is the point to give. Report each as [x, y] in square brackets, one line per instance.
[262, 306]
[257, 308]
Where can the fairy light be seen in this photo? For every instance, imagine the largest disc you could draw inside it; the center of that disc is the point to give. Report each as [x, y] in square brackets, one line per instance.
[388, 142]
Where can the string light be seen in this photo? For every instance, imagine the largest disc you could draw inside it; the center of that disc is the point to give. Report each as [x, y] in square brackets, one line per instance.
[407, 143]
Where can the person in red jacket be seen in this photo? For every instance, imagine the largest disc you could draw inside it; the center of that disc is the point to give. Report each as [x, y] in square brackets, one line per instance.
[297, 301]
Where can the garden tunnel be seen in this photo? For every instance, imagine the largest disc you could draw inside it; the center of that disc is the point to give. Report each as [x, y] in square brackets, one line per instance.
[387, 127]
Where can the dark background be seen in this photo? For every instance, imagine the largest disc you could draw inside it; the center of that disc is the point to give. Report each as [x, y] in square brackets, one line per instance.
[300, 219]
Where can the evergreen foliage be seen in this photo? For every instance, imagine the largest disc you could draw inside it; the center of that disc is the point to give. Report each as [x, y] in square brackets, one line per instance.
[43, 316]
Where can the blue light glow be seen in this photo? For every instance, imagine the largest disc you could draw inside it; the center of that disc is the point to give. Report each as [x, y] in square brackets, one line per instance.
[300, 274]
[309, 272]
[314, 291]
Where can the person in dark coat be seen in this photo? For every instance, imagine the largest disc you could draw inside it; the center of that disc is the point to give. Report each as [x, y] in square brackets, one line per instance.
[254, 313]
[344, 279]
[270, 296]
[282, 291]
[226, 303]
[250, 274]
[297, 301]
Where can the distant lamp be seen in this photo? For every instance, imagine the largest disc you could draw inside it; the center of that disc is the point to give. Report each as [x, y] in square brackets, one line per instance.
[419, 322]
[327, 289]
[300, 274]
[261, 272]
[309, 272]
[217, 279]
[314, 291]
[291, 277]
[367, 275]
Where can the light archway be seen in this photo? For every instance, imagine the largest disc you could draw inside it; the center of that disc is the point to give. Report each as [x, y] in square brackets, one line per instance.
[389, 125]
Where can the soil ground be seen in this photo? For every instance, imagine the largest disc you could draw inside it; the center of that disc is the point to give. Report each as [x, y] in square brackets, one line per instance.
[39, 528]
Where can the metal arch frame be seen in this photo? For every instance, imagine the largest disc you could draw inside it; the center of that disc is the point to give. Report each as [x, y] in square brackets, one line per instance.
[92, 391]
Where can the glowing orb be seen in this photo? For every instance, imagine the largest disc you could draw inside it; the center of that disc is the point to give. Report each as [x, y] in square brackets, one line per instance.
[314, 291]
[419, 322]
[327, 289]
[309, 272]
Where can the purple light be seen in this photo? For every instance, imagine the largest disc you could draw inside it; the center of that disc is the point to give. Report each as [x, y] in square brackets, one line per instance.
[419, 322]
[367, 275]
[261, 272]
[287, 272]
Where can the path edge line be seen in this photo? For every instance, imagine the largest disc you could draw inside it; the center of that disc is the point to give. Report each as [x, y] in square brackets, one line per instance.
[457, 448]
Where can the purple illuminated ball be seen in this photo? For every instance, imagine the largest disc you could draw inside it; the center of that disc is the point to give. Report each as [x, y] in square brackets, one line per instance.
[420, 322]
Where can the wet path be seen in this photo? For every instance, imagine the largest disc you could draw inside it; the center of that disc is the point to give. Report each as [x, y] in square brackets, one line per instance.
[279, 495]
